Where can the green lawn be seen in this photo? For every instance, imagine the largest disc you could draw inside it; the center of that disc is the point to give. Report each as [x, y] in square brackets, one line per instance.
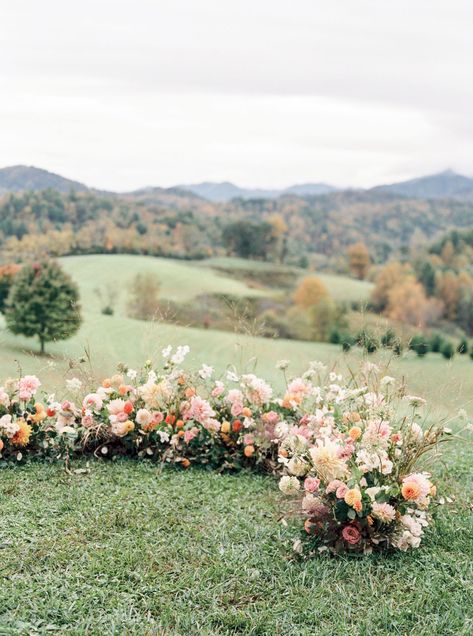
[127, 549]
[180, 280]
[341, 288]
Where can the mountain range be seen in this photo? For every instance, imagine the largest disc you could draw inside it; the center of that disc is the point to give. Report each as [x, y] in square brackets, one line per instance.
[447, 184]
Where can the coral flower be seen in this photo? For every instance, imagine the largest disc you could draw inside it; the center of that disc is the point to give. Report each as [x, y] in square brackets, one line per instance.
[355, 433]
[22, 436]
[249, 450]
[410, 491]
[1, 445]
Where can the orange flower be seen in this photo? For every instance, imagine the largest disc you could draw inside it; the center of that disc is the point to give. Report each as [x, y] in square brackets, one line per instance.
[22, 436]
[180, 433]
[355, 433]
[180, 424]
[246, 412]
[249, 450]
[107, 383]
[170, 419]
[410, 490]
[185, 463]
[40, 414]
[283, 452]
[225, 428]
[236, 426]
[1, 445]
[358, 506]
[352, 496]
[190, 392]
[122, 389]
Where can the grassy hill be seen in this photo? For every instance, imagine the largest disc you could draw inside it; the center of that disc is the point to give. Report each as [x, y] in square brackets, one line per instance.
[113, 339]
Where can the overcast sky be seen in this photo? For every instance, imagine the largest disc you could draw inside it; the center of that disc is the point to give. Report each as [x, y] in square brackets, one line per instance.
[126, 93]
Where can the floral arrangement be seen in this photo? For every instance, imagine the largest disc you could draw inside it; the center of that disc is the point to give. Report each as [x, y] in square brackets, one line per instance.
[346, 452]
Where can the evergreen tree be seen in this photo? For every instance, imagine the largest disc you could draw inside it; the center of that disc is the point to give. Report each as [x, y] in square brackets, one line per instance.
[43, 302]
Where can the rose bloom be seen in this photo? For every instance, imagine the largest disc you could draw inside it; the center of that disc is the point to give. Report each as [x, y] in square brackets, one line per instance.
[333, 485]
[297, 466]
[289, 485]
[352, 496]
[351, 534]
[354, 432]
[28, 385]
[93, 400]
[120, 429]
[190, 434]
[341, 491]
[311, 484]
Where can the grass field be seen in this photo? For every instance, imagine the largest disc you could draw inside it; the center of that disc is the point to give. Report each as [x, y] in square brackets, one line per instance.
[341, 288]
[127, 549]
[130, 549]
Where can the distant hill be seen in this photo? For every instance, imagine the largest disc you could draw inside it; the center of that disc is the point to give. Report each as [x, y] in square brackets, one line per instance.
[226, 191]
[17, 178]
[435, 186]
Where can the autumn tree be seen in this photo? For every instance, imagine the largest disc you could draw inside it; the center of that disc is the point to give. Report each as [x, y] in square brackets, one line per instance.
[143, 296]
[310, 291]
[389, 277]
[43, 302]
[358, 260]
[407, 302]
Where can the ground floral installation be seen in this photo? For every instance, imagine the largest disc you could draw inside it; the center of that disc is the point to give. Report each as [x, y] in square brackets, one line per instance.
[346, 450]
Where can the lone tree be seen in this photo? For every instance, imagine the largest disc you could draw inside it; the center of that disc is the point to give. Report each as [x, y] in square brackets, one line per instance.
[359, 260]
[43, 302]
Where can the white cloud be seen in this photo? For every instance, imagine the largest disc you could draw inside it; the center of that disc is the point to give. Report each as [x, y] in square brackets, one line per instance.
[122, 94]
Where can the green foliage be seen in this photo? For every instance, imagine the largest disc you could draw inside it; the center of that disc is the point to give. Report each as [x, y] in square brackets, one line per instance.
[448, 350]
[335, 336]
[43, 302]
[7, 276]
[388, 338]
[436, 342]
[249, 239]
[426, 275]
[367, 340]
[419, 344]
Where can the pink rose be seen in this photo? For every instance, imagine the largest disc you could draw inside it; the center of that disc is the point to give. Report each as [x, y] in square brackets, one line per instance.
[158, 417]
[311, 484]
[341, 491]
[333, 485]
[271, 417]
[351, 534]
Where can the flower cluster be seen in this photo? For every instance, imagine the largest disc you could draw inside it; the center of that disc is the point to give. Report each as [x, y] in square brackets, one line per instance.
[351, 458]
[346, 451]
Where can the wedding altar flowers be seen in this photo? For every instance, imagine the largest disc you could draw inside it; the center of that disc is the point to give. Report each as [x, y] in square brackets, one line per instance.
[347, 452]
[360, 489]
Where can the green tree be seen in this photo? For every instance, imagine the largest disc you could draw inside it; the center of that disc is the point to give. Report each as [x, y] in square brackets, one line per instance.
[436, 342]
[249, 239]
[448, 350]
[419, 344]
[43, 302]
